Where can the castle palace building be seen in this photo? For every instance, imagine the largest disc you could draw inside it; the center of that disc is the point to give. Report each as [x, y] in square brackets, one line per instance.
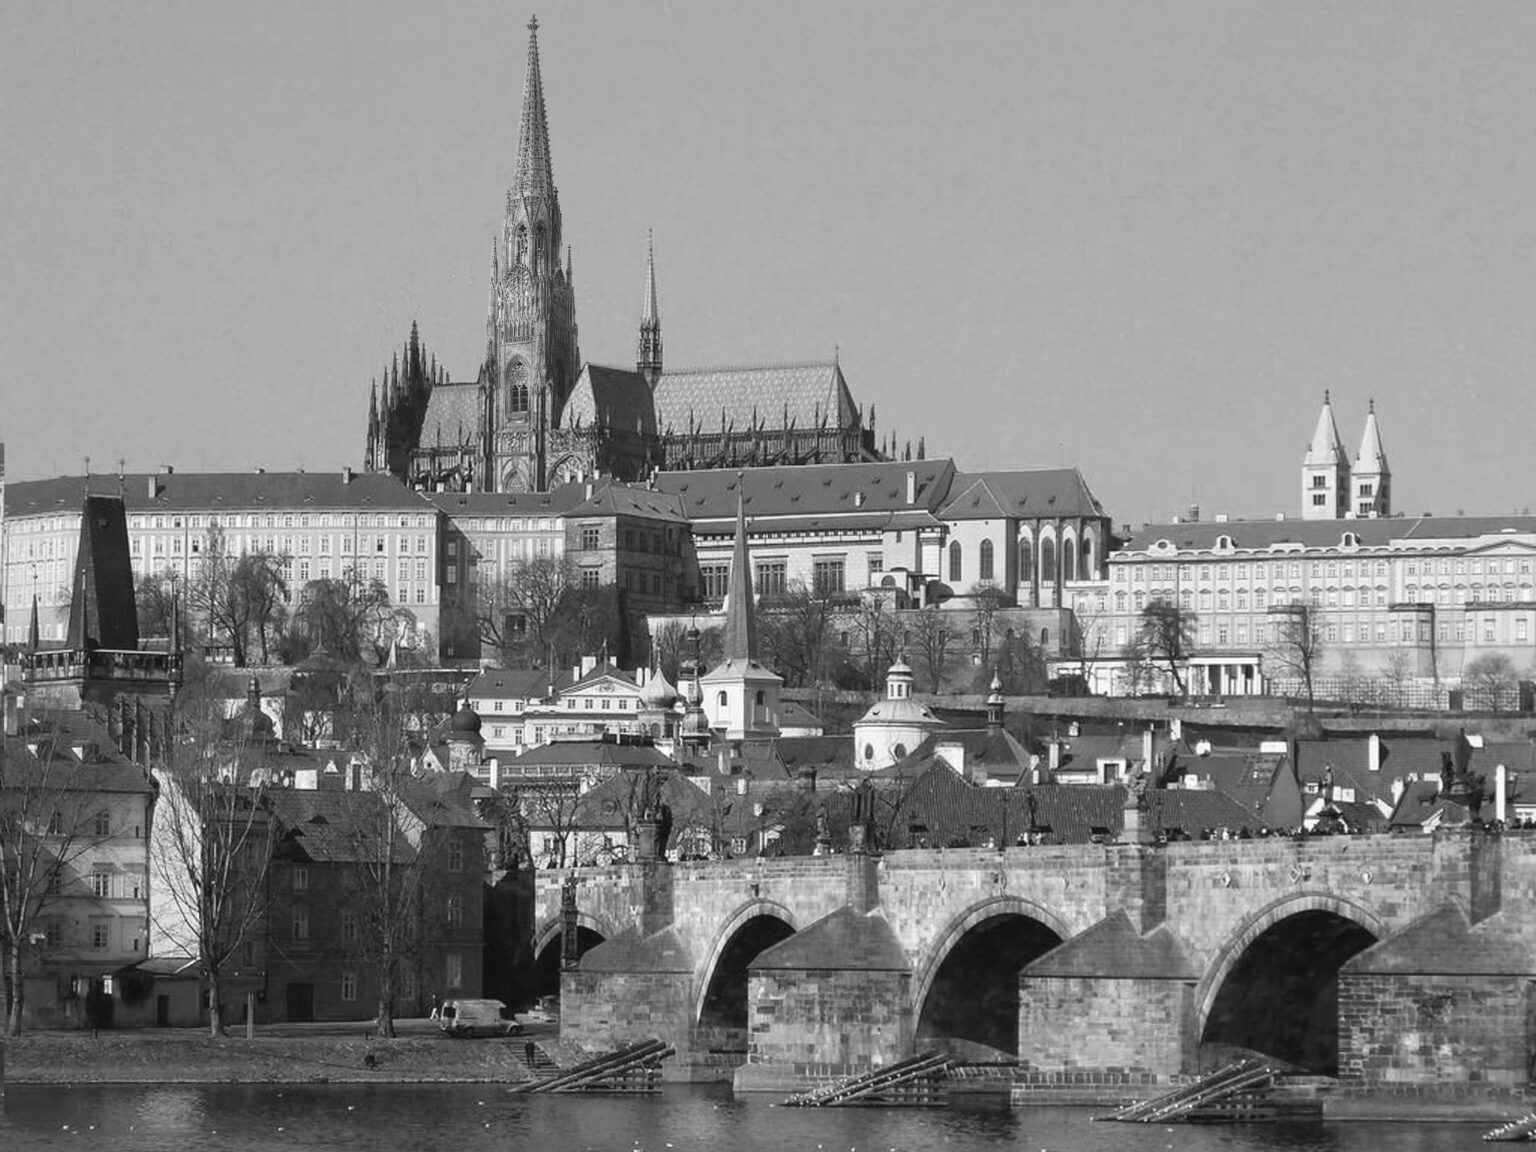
[537, 416]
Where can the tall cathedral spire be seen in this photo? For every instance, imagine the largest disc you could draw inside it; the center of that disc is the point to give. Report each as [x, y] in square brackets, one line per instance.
[648, 353]
[534, 175]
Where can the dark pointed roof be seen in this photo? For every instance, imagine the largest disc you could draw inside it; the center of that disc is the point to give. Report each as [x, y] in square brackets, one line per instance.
[650, 315]
[740, 619]
[534, 176]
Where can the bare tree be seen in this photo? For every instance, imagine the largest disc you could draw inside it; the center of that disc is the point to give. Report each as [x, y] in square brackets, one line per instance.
[1169, 634]
[211, 845]
[933, 644]
[48, 813]
[1137, 672]
[1396, 673]
[795, 627]
[1092, 638]
[513, 610]
[1490, 678]
[877, 631]
[154, 599]
[550, 809]
[1298, 645]
[237, 595]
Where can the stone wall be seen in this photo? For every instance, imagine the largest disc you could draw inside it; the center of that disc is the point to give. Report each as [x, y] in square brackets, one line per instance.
[605, 1010]
[1121, 1031]
[850, 1019]
[1397, 1031]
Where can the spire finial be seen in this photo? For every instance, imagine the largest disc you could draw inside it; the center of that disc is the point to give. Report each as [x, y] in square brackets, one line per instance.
[1326, 398]
[1370, 406]
[534, 176]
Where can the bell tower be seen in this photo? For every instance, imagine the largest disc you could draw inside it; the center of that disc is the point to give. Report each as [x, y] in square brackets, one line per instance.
[531, 353]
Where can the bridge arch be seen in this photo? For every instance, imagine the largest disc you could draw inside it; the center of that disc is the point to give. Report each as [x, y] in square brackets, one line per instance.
[962, 990]
[726, 940]
[552, 928]
[1274, 985]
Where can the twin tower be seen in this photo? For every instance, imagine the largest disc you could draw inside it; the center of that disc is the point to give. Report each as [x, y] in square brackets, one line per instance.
[1333, 488]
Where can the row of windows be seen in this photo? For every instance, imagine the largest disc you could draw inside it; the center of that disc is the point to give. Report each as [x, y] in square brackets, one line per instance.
[1319, 569]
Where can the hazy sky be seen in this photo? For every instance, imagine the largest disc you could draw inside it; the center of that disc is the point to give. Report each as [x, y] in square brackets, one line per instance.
[1141, 238]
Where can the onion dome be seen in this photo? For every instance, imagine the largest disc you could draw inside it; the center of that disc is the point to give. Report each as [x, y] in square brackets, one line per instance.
[465, 723]
[658, 694]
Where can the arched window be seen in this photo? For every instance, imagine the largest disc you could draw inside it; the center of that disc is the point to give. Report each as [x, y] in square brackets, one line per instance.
[522, 244]
[517, 388]
[1047, 561]
[539, 252]
[720, 700]
[1069, 560]
[986, 560]
[954, 562]
[1026, 562]
[1090, 561]
[869, 751]
[761, 699]
[1045, 638]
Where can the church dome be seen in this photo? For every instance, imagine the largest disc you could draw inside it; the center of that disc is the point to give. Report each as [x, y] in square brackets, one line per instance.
[465, 722]
[658, 694]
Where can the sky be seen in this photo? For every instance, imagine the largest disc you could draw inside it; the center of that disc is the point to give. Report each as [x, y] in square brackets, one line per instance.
[1140, 239]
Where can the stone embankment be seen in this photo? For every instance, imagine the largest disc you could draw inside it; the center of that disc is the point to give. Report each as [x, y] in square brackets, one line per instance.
[166, 1057]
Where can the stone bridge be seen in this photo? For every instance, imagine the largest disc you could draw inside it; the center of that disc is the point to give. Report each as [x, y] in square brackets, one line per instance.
[1392, 962]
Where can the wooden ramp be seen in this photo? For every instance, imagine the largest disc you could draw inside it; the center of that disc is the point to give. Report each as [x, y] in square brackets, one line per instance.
[916, 1082]
[631, 1071]
[1235, 1092]
[1516, 1131]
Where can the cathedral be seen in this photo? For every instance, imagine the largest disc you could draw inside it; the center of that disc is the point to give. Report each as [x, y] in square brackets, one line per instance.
[537, 416]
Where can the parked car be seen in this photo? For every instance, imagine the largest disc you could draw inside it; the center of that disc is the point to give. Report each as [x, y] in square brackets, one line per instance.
[545, 1010]
[461, 1018]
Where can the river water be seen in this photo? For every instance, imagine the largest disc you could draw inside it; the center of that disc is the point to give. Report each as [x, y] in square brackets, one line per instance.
[683, 1119]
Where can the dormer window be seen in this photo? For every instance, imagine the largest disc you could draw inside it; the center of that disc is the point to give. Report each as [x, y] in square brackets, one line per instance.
[1350, 540]
[1223, 543]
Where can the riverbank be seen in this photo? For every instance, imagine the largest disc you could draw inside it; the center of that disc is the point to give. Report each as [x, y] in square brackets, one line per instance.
[167, 1057]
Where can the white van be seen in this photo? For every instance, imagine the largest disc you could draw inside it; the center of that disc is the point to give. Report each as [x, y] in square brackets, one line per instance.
[477, 1018]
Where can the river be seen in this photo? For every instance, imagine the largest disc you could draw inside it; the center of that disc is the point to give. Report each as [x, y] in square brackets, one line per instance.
[684, 1119]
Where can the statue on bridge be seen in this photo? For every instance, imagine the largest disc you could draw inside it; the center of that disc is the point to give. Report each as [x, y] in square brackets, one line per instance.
[862, 818]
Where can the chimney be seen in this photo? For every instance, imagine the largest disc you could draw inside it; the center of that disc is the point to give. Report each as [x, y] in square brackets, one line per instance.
[1055, 755]
[346, 473]
[1148, 748]
[858, 499]
[167, 470]
[1500, 792]
[153, 486]
[13, 714]
[1373, 752]
[1398, 785]
[911, 486]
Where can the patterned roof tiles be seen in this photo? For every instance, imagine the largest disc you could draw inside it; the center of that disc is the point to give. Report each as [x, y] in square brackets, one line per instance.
[872, 491]
[617, 398]
[809, 393]
[453, 415]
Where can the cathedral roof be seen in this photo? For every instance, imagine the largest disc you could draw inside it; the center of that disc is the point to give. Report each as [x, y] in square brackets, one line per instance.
[1027, 494]
[453, 415]
[807, 393]
[616, 397]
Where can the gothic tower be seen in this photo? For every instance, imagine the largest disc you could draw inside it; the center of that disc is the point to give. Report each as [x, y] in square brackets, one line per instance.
[1371, 478]
[531, 353]
[1325, 471]
[648, 350]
